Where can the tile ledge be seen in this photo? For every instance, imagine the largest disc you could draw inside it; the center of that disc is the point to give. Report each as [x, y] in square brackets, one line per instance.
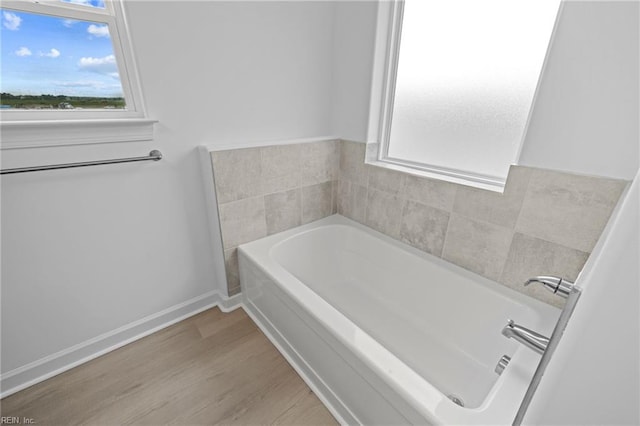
[226, 146]
[447, 176]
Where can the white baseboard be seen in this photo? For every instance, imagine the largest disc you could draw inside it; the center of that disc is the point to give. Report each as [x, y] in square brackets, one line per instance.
[59, 362]
[228, 304]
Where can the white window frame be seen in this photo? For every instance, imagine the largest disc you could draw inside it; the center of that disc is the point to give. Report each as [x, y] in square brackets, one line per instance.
[387, 49]
[34, 128]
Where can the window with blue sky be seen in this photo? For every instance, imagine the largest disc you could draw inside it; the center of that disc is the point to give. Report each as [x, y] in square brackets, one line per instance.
[49, 55]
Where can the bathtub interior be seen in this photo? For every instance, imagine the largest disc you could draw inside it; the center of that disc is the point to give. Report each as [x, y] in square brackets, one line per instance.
[443, 322]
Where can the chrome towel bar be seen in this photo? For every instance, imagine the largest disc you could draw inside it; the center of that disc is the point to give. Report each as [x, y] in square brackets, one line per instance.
[154, 155]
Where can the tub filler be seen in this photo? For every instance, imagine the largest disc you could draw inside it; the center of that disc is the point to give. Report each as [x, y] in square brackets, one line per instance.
[386, 334]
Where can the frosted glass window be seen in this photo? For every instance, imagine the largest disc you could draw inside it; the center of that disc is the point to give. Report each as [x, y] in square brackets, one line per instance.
[466, 75]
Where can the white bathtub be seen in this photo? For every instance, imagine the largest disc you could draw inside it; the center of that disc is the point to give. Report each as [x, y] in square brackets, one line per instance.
[383, 332]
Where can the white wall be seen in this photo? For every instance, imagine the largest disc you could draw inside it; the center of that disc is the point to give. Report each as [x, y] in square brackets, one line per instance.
[236, 71]
[585, 117]
[85, 251]
[353, 49]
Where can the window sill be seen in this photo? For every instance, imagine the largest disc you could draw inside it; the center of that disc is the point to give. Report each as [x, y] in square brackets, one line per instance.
[452, 176]
[46, 133]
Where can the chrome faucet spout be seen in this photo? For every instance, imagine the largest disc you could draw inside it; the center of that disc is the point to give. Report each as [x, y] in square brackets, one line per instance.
[529, 338]
[556, 285]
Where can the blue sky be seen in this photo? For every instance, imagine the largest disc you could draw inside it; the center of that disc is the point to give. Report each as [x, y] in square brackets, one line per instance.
[49, 55]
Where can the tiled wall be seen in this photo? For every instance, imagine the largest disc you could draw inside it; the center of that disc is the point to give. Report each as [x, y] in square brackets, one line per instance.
[261, 191]
[545, 222]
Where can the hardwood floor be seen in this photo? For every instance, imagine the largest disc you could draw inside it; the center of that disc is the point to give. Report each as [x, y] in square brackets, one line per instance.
[213, 368]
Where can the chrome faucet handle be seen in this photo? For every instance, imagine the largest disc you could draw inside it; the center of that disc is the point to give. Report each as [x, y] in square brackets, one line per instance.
[555, 285]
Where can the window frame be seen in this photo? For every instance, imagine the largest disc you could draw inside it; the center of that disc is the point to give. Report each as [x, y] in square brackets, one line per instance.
[386, 54]
[33, 128]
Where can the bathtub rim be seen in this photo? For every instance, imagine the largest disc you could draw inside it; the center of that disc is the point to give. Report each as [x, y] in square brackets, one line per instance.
[421, 395]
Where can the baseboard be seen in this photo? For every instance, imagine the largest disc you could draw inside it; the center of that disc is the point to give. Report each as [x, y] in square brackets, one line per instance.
[54, 364]
[228, 304]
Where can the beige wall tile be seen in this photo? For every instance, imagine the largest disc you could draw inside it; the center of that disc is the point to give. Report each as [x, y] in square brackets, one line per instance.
[237, 174]
[530, 256]
[359, 197]
[283, 210]
[344, 192]
[352, 200]
[567, 209]
[316, 201]
[280, 167]
[424, 227]
[371, 152]
[319, 162]
[352, 166]
[434, 193]
[558, 216]
[334, 197]
[234, 290]
[384, 212]
[386, 180]
[480, 247]
[499, 209]
[242, 221]
[232, 270]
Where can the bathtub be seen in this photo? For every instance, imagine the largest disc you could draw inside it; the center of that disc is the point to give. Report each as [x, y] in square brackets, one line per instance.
[386, 334]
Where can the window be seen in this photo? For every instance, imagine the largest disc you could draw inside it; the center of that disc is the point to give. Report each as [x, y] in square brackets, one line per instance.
[67, 64]
[460, 81]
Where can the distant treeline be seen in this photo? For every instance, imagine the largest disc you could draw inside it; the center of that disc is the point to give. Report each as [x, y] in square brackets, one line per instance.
[9, 100]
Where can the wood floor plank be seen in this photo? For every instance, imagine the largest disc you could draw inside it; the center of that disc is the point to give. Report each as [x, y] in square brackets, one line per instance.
[211, 325]
[212, 368]
[306, 411]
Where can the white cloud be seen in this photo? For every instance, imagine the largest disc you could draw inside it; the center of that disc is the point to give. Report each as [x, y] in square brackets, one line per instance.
[98, 30]
[53, 53]
[92, 3]
[106, 65]
[11, 21]
[23, 51]
[69, 22]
